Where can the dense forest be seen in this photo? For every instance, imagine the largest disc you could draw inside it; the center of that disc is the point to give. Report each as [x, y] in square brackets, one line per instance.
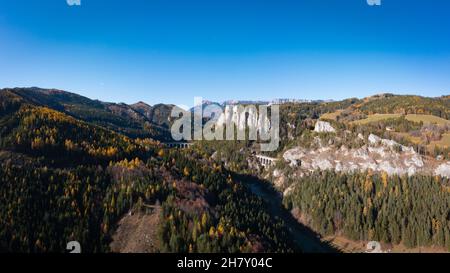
[64, 179]
[412, 210]
[240, 222]
[389, 103]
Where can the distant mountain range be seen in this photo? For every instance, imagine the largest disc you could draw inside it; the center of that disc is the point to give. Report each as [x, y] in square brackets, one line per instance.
[222, 105]
[141, 120]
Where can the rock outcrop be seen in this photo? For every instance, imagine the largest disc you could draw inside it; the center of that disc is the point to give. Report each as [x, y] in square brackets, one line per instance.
[373, 139]
[380, 155]
[324, 127]
[443, 170]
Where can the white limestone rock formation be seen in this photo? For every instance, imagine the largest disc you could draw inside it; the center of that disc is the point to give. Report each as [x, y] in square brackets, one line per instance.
[324, 127]
[443, 170]
[293, 156]
[373, 139]
[382, 155]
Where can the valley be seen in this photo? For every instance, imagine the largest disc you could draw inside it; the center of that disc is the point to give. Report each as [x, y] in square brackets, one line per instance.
[109, 176]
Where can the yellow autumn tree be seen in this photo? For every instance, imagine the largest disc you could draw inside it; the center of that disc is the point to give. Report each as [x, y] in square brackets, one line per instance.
[204, 219]
[212, 231]
[186, 171]
[384, 179]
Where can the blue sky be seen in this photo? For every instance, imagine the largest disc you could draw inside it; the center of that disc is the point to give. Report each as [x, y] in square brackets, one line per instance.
[172, 50]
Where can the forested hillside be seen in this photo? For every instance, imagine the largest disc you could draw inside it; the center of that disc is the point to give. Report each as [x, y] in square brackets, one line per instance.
[412, 210]
[439, 107]
[64, 179]
[129, 120]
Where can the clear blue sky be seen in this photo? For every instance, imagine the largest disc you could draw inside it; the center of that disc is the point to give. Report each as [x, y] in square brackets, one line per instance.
[173, 50]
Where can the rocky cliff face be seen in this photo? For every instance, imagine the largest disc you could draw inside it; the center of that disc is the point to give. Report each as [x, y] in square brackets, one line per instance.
[250, 118]
[380, 155]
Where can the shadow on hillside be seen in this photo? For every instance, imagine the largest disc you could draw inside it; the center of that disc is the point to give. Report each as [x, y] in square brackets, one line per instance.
[305, 238]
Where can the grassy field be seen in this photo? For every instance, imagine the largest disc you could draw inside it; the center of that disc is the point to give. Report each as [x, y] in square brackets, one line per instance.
[375, 118]
[427, 119]
[411, 117]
